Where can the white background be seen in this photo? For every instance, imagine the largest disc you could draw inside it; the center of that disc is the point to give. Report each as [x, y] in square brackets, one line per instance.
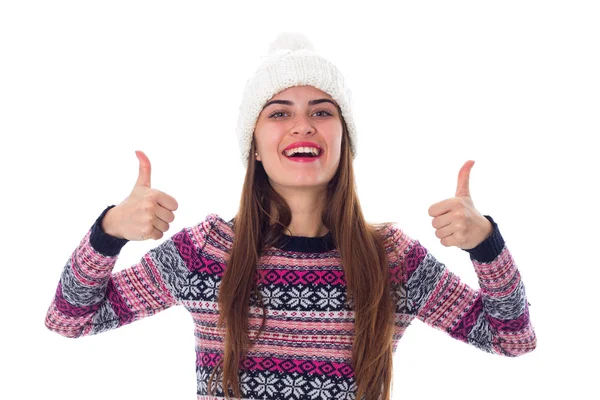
[513, 85]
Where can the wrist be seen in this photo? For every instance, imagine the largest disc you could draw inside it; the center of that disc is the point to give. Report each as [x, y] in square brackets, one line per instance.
[107, 224]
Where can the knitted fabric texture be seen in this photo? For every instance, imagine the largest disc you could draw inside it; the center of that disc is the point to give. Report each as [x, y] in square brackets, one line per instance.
[305, 349]
[291, 62]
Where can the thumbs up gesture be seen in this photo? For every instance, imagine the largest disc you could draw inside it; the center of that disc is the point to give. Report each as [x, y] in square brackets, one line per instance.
[456, 220]
[145, 213]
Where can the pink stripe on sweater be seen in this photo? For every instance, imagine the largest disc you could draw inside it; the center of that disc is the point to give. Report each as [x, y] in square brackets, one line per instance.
[285, 365]
[286, 276]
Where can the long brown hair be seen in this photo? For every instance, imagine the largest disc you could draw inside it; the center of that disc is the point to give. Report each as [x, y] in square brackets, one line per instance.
[364, 262]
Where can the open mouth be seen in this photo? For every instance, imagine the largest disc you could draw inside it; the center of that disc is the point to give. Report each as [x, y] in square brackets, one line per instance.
[303, 153]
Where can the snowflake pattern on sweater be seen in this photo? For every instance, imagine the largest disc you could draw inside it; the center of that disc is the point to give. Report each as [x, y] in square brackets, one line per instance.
[304, 351]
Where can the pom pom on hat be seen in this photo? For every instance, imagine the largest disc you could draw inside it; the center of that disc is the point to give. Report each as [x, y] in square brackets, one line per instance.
[291, 61]
[290, 41]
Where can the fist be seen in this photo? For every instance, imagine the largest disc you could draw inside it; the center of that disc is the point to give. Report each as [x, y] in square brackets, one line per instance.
[145, 214]
[456, 220]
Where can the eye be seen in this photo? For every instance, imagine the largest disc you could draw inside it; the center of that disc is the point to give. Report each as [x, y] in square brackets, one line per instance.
[327, 113]
[276, 114]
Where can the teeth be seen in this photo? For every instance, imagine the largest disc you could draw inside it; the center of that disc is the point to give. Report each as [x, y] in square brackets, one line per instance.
[313, 150]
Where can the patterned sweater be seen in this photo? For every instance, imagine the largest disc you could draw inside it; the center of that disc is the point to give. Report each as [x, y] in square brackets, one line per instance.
[304, 351]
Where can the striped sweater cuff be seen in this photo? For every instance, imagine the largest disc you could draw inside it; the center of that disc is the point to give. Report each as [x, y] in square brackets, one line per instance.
[101, 241]
[490, 248]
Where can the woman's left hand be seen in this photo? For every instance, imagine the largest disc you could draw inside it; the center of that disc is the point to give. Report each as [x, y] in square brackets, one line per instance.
[456, 220]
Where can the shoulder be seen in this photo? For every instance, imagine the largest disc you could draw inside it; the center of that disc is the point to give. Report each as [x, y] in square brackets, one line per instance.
[212, 231]
[397, 243]
[393, 235]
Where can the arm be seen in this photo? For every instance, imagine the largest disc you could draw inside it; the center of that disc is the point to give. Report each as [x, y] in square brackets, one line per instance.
[494, 318]
[91, 299]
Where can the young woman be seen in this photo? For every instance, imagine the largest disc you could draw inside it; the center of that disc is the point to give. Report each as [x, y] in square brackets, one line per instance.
[297, 297]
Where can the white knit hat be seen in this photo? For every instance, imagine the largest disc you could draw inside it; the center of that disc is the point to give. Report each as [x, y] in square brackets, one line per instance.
[291, 62]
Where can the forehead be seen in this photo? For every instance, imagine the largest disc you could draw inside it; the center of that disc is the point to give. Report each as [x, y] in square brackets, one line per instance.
[299, 92]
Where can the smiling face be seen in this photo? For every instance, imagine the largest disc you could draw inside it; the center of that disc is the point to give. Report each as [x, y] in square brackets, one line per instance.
[299, 114]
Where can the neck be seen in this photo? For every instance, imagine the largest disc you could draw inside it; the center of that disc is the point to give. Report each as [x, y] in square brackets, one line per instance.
[307, 207]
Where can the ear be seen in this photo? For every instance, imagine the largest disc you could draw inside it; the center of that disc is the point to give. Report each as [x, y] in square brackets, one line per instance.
[253, 147]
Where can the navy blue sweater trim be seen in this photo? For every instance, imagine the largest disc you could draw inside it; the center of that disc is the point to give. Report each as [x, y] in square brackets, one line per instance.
[490, 248]
[101, 241]
[486, 251]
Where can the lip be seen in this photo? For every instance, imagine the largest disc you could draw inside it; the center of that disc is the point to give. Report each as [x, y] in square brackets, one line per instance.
[303, 144]
[303, 159]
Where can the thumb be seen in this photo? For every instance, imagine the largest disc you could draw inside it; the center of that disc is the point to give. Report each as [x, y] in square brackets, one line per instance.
[144, 173]
[462, 187]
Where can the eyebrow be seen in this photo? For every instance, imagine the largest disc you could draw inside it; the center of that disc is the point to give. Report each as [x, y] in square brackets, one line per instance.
[291, 103]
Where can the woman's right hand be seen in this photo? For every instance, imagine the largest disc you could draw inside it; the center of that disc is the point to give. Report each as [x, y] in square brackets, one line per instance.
[145, 213]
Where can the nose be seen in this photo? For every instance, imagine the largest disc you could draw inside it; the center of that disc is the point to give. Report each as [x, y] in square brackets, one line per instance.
[303, 126]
